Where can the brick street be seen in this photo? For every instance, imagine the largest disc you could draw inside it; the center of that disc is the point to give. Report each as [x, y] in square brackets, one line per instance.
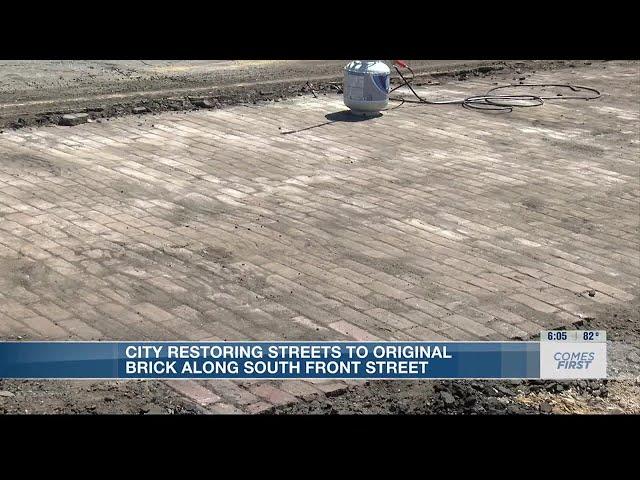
[291, 221]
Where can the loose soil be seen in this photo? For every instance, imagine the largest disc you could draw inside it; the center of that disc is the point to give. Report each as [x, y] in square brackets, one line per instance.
[40, 93]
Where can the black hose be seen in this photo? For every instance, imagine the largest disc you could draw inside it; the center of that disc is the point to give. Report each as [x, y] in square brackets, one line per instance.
[496, 102]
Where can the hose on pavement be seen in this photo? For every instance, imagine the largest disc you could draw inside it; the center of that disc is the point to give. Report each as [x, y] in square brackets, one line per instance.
[497, 102]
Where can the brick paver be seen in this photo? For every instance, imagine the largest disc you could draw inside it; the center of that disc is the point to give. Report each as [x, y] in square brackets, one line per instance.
[273, 222]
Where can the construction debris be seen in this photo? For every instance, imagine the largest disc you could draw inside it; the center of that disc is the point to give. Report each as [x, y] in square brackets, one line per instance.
[74, 119]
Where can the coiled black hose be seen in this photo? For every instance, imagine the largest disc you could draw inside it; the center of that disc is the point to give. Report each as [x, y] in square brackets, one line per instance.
[496, 102]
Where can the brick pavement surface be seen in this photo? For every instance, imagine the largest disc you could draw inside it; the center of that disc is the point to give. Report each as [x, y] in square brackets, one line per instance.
[274, 222]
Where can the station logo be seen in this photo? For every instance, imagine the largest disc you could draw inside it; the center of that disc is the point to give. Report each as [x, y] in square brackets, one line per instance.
[573, 360]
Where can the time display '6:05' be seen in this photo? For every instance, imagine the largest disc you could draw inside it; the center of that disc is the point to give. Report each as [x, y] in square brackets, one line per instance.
[556, 335]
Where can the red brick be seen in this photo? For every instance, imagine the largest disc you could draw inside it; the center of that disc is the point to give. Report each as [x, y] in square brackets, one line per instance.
[258, 407]
[272, 394]
[194, 391]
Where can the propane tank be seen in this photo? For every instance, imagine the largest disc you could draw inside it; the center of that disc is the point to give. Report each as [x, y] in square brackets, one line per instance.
[366, 86]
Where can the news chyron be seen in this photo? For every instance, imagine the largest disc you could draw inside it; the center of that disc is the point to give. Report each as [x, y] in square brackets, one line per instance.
[558, 355]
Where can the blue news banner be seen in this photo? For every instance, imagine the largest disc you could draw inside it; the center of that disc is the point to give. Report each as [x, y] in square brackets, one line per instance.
[269, 360]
